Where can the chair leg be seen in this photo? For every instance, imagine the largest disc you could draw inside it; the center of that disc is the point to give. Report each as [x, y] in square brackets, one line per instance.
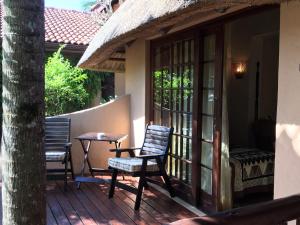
[66, 175]
[71, 164]
[139, 193]
[168, 184]
[146, 185]
[113, 183]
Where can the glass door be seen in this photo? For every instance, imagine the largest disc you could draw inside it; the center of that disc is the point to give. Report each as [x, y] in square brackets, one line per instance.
[186, 78]
[210, 115]
[172, 92]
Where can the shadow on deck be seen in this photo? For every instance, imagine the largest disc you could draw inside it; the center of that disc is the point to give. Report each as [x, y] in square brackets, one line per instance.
[90, 206]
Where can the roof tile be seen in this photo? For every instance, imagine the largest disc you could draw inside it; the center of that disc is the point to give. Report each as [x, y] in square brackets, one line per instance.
[67, 26]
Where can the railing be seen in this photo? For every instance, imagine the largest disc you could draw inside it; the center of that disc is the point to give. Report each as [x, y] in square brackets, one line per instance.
[276, 212]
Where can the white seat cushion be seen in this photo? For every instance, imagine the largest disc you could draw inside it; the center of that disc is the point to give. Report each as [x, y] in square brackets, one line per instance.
[131, 164]
[55, 156]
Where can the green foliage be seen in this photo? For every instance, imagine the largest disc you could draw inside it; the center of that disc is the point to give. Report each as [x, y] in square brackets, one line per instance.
[164, 80]
[66, 87]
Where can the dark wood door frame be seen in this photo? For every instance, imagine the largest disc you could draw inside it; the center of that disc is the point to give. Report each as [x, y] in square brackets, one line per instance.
[197, 31]
[210, 203]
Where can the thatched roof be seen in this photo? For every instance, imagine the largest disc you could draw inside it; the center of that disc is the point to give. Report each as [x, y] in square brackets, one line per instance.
[145, 18]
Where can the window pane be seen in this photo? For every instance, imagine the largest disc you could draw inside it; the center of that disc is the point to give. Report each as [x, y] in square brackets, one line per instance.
[189, 173]
[165, 56]
[209, 47]
[175, 54]
[206, 180]
[157, 117]
[166, 100]
[186, 52]
[166, 79]
[187, 99]
[157, 58]
[166, 118]
[207, 154]
[207, 128]
[157, 77]
[192, 51]
[173, 98]
[208, 75]
[187, 125]
[187, 83]
[208, 102]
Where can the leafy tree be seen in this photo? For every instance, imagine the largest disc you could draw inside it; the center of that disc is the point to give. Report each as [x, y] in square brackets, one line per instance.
[23, 164]
[65, 86]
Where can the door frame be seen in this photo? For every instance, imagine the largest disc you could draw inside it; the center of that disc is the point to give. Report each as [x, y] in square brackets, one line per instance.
[216, 25]
[197, 197]
[202, 199]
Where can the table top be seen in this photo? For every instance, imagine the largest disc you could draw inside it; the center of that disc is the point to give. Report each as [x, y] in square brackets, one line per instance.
[94, 136]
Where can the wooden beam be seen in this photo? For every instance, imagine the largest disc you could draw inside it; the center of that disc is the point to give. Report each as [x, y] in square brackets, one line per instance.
[117, 59]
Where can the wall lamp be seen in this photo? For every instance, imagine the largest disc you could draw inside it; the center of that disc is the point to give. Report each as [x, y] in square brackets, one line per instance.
[239, 69]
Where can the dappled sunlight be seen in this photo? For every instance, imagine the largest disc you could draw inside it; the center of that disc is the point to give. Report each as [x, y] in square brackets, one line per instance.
[91, 205]
[293, 133]
[138, 131]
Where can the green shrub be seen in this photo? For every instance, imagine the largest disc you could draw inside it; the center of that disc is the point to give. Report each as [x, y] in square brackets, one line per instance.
[65, 86]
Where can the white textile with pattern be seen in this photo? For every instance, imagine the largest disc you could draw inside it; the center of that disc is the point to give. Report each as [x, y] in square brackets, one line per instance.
[131, 164]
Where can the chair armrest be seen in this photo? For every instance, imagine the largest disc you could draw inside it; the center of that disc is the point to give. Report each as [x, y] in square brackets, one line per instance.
[123, 149]
[68, 145]
[120, 150]
[154, 156]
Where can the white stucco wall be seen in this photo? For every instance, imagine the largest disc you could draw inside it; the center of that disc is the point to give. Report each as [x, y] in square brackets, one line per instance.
[135, 86]
[119, 84]
[112, 117]
[287, 163]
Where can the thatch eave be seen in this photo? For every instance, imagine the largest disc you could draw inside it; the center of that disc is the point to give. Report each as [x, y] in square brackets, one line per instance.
[102, 48]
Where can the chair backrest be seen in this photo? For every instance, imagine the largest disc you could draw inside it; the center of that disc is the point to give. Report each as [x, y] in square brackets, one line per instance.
[57, 133]
[157, 140]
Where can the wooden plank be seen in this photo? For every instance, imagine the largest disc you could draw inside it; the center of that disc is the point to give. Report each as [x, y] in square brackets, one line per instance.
[155, 213]
[162, 215]
[156, 146]
[104, 207]
[157, 133]
[81, 211]
[141, 214]
[157, 137]
[57, 210]
[111, 205]
[156, 141]
[167, 202]
[57, 119]
[139, 217]
[161, 129]
[50, 218]
[96, 214]
[68, 210]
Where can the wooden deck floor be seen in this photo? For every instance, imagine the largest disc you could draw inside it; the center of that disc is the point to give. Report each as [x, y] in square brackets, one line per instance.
[90, 206]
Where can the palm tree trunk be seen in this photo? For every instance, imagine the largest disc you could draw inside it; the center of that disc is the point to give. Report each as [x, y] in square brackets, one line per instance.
[23, 169]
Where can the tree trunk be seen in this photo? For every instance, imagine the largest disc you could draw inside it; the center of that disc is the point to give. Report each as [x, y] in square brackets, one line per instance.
[23, 168]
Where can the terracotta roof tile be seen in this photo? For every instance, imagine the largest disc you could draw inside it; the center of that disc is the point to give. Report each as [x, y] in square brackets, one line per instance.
[67, 26]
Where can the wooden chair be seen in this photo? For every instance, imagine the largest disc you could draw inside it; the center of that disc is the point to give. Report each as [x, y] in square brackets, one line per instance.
[150, 162]
[58, 146]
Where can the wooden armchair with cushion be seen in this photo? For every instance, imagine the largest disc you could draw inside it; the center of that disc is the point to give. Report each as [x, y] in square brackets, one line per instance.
[150, 162]
[58, 146]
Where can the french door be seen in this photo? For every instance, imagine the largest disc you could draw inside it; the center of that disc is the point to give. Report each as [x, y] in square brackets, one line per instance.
[186, 72]
[172, 105]
[210, 116]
